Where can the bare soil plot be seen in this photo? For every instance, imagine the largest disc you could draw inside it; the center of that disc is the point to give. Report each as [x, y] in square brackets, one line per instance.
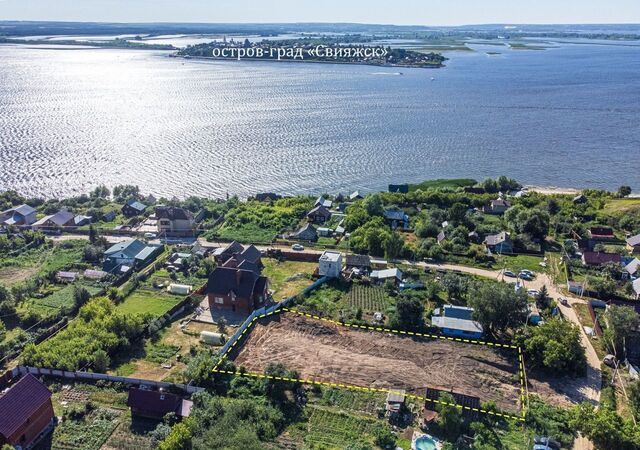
[332, 353]
[14, 275]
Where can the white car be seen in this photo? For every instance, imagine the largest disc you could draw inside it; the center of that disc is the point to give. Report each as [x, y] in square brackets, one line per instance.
[533, 292]
[297, 247]
[150, 235]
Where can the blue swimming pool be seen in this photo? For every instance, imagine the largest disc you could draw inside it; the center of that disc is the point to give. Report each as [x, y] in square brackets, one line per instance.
[426, 443]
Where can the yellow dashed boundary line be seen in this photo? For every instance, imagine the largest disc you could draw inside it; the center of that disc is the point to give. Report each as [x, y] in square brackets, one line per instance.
[409, 333]
[368, 389]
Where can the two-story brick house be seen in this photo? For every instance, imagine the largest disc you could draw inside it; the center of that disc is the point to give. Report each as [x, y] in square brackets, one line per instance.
[26, 413]
[236, 289]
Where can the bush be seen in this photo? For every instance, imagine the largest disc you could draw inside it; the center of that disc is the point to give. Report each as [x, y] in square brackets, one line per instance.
[556, 346]
[98, 326]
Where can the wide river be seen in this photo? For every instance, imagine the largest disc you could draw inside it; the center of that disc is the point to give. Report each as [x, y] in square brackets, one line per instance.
[74, 118]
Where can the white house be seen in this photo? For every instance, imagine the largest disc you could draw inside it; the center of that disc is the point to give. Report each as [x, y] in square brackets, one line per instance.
[330, 264]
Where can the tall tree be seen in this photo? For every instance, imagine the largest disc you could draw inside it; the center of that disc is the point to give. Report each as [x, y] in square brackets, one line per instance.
[449, 417]
[393, 245]
[622, 321]
[408, 314]
[556, 345]
[498, 307]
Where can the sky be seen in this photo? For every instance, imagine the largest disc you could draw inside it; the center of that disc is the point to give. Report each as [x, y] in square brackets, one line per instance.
[399, 12]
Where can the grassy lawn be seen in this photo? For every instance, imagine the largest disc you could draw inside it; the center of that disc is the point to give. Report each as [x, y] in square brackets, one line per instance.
[441, 183]
[326, 241]
[329, 300]
[246, 233]
[287, 278]
[149, 301]
[622, 204]
[519, 262]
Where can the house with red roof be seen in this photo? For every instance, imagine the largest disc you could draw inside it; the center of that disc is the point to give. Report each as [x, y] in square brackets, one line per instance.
[26, 413]
[601, 233]
[600, 258]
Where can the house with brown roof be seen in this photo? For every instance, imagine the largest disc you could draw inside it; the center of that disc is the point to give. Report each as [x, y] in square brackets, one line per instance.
[319, 214]
[601, 233]
[236, 289]
[172, 220]
[60, 220]
[26, 413]
[157, 404]
[633, 244]
[497, 206]
[600, 258]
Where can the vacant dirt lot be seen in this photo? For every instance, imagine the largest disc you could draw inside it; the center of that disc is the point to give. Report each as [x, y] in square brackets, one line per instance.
[332, 353]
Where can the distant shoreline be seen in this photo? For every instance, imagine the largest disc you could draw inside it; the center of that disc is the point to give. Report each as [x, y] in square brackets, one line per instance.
[317, 61]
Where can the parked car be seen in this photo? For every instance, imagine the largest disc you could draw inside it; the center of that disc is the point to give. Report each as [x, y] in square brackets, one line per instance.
[510, 274]
[297, 247]
[546, 443]
[564, 301]
[533, 292]
[150, 235]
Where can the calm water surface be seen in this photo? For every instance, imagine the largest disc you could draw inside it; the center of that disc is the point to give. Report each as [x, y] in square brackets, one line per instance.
[74, 118]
